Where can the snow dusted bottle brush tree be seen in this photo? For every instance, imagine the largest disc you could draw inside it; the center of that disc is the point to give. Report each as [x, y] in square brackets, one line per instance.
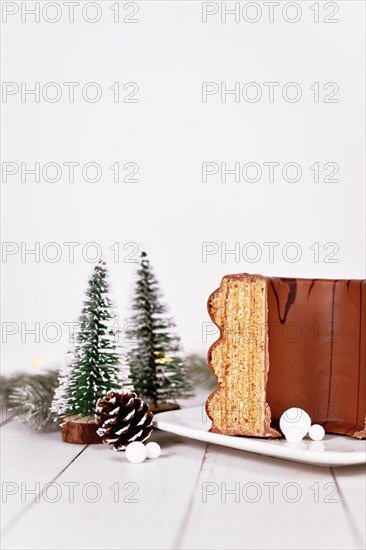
[94, 365]
[158, 373]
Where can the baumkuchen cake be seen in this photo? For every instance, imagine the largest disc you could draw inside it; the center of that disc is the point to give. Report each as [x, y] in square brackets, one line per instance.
[288, 343]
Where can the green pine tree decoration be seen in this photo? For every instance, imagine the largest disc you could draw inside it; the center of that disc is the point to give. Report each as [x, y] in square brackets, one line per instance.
[94, 365]
[157, 372]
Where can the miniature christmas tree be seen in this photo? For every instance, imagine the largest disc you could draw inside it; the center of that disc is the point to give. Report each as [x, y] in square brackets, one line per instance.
[94, 366]
[158, 374]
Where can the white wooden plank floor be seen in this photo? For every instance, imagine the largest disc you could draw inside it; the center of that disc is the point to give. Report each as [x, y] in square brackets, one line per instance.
[195, 496]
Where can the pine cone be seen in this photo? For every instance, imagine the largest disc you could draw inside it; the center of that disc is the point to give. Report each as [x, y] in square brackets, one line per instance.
[122, 418]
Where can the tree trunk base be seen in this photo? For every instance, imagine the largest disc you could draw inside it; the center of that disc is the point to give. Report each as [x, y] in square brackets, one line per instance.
[80, 430]
[163, 407]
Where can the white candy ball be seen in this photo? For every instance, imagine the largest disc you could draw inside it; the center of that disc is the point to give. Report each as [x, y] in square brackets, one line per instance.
[136, 452]
[294, 435]
[316, 432]
[153, 450]
[295, 418]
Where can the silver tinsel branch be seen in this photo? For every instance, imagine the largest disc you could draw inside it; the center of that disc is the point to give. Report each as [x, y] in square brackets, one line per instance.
[30, 398]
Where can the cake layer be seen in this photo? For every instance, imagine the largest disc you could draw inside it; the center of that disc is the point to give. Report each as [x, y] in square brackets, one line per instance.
[240, 357]
[288, 342]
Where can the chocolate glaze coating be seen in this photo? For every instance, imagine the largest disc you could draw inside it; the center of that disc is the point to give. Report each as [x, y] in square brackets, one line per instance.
[317, 351]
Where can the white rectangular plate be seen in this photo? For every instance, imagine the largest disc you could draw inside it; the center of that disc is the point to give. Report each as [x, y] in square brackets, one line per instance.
[333, 450]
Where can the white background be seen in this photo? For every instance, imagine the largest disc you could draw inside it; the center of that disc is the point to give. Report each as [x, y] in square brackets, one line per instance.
[169, 133]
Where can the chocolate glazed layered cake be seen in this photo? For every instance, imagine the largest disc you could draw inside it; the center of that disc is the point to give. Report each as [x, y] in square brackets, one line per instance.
[288, 343]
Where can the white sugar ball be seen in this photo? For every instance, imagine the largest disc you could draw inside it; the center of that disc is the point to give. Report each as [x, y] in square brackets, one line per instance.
[295, 418]
[294, 435]
[153, 450]
[316, 432]
[136, 452]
